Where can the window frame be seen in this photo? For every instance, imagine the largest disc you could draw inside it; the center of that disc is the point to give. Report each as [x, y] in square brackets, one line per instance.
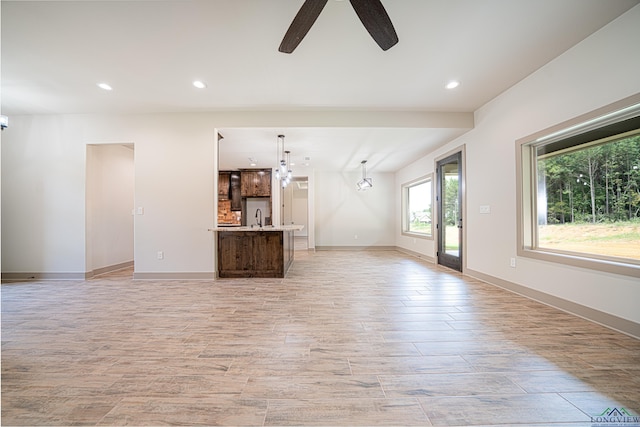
[526, 189]
[404, 209]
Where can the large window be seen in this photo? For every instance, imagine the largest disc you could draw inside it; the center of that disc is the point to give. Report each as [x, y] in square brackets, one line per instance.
[580, 192]
[416, 208]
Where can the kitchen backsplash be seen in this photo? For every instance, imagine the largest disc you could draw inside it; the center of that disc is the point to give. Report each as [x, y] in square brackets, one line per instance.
[226, 215]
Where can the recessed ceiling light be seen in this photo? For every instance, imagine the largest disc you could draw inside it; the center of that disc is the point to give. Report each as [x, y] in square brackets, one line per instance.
[199, 84]
[104, 86]
[452, 84]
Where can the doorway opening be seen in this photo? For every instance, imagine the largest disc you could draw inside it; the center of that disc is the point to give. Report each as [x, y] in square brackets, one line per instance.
[109, 244]
[295, 210]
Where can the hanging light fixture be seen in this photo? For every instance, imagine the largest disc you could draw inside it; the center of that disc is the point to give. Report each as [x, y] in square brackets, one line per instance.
[283, 171]
[289, 175]
[365, 182]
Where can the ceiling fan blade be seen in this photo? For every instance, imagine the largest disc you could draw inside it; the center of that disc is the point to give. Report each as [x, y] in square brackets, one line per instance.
[375, 19]
[301, 24]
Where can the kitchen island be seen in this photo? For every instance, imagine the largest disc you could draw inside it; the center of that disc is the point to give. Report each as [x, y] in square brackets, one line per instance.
[255, 251]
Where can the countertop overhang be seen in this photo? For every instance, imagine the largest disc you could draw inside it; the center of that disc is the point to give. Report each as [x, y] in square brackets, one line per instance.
[292, 227]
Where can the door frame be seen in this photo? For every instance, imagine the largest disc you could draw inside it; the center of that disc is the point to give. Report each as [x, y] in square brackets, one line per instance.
[462, 264]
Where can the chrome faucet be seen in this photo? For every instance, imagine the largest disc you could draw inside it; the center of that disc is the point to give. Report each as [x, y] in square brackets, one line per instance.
[259, 221]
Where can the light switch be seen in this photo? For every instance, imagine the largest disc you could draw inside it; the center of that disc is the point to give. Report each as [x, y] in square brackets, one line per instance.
[485, 209]
[140, 211]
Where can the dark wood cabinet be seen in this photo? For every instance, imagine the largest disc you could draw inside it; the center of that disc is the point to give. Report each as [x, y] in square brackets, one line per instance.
[235, 254]
[224, 185]
[255, 182]
[229, 188]
[254, 253]
[236, 195]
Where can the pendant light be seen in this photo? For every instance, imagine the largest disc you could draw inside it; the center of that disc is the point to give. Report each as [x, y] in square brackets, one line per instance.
[283, 171]
[365, 182]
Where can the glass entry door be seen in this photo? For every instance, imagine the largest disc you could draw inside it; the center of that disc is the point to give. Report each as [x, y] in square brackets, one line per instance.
[449, 199]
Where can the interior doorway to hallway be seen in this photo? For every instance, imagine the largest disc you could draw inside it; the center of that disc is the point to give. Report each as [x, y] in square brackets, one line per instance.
[295, 209]
[109, 208]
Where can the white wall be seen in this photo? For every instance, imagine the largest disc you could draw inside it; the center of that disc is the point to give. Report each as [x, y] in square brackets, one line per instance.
[600, 70]
[43, 193]
[43, 204]
[342, 212]
[110, 197]
[174, 185]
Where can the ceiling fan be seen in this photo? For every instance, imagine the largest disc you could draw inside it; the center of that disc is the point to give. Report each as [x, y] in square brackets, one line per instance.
[371, 12]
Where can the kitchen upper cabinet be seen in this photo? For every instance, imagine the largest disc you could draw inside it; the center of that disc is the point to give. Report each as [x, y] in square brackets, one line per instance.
[255, 182]
[229, 188]
[224, 185]
[236, 198]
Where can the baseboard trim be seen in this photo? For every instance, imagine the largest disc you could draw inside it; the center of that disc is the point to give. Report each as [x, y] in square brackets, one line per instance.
[109, 269]
[30, 277]
[616, 323]
[415, 254]
[356, 248]
[174, 276]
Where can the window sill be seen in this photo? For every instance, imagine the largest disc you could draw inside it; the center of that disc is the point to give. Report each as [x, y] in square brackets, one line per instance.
[582, 261]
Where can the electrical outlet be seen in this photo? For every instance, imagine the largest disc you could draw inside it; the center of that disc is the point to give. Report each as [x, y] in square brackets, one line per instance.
[160, 255]
[512, 262]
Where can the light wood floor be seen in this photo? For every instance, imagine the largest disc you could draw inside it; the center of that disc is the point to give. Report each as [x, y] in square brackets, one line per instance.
[348, 338]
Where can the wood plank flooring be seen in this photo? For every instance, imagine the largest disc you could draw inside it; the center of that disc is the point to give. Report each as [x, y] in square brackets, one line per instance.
[347, 338]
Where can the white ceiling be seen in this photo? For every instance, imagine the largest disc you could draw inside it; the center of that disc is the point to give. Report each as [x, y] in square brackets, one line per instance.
[54, 53]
